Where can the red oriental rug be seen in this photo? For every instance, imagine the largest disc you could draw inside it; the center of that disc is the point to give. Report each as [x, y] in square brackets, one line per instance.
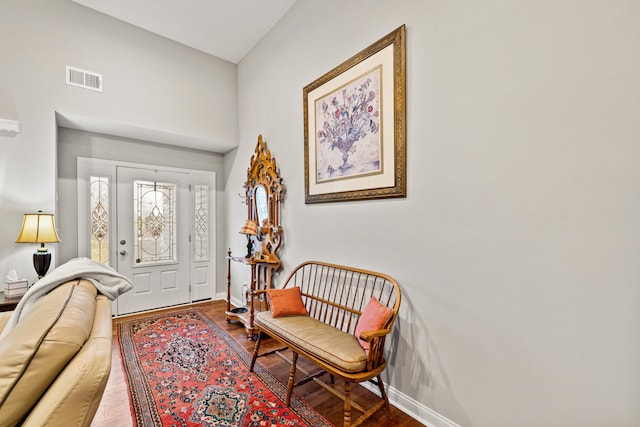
[184, 370]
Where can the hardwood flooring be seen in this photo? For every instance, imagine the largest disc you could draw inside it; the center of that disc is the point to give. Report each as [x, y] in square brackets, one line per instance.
[114, 408]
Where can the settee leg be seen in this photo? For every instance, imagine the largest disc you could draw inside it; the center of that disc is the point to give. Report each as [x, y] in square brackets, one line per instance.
[387, 406]
[292, 375]
[255, 352]
[347, 404]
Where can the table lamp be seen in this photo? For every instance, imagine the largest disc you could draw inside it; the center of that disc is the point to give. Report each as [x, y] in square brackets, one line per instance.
[39, 228]
[250, 228]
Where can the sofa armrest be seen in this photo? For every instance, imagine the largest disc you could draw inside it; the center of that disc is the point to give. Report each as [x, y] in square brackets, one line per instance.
[74, 397]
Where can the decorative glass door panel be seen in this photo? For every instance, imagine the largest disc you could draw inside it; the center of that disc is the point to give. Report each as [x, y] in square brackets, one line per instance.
[154, 217]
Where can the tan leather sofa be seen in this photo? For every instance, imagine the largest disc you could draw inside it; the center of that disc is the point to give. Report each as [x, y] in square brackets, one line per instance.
[54, 364]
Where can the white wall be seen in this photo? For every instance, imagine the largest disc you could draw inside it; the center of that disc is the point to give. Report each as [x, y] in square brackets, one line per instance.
[517, 247]
[150, 83]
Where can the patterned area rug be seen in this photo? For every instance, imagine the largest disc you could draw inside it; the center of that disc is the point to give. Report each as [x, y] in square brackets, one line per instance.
[184, 370]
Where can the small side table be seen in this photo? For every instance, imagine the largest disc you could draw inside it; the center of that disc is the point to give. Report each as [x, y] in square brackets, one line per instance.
[8, 304]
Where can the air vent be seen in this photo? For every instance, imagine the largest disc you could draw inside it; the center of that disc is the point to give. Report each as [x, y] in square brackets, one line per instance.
[84, 79]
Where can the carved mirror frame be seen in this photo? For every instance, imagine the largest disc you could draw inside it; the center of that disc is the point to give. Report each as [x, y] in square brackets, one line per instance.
[264, 191]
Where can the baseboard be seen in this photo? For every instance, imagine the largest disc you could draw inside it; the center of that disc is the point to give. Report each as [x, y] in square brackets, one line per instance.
[411, 407]
[223, 296]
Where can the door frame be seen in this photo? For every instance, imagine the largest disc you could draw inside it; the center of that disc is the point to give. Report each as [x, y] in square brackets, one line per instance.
[87, 167]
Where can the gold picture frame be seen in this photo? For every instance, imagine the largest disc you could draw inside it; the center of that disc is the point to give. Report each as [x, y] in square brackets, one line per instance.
[355, 126]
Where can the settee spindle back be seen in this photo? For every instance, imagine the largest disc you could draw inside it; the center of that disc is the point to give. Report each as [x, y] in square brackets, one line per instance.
[337, 295]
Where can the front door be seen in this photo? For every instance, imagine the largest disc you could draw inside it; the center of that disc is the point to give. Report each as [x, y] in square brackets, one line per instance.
[153, 237]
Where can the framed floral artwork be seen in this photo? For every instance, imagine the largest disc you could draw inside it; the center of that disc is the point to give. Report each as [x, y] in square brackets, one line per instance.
[354, 126]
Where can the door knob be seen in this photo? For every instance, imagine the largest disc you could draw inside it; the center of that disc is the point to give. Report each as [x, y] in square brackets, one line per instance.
[123, 252]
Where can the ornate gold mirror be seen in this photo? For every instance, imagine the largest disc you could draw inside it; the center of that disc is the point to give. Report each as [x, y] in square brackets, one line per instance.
[264, 192]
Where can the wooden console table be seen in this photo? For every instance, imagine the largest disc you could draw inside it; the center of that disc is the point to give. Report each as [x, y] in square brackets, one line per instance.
[261, 279]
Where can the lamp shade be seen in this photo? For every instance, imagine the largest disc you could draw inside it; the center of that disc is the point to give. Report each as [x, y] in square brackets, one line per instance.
[250, 228]
[38, 228]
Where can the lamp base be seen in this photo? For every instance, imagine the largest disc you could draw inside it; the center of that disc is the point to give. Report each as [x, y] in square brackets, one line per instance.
[41, 262]
[249, 246]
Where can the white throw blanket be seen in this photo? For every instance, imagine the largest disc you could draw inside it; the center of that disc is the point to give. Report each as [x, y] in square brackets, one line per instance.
[107, 280]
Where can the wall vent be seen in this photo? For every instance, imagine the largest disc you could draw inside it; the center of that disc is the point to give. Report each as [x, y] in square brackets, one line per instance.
[84, 79]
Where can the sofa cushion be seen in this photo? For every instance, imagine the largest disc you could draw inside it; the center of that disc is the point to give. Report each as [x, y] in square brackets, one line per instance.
[36, 350]
[331, 345]
[4, 318]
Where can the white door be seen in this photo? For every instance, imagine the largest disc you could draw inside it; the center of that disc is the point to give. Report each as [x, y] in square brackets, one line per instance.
[153, 223]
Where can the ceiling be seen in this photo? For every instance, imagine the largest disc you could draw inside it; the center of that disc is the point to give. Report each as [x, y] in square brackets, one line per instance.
[228, 29]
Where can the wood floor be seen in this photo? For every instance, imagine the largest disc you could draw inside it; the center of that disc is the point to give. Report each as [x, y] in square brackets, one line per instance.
[114, 408]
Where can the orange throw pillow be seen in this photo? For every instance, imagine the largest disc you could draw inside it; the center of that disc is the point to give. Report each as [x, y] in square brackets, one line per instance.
[373, 318]
[286, 302]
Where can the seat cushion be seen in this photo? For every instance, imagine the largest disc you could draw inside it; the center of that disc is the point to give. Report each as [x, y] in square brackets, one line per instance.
[331, 345]
[36, 350]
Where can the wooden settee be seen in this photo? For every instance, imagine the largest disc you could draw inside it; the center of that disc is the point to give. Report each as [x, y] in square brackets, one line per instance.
[335, 298]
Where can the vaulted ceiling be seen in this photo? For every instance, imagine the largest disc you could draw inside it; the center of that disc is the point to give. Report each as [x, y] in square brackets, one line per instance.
[228, 29]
